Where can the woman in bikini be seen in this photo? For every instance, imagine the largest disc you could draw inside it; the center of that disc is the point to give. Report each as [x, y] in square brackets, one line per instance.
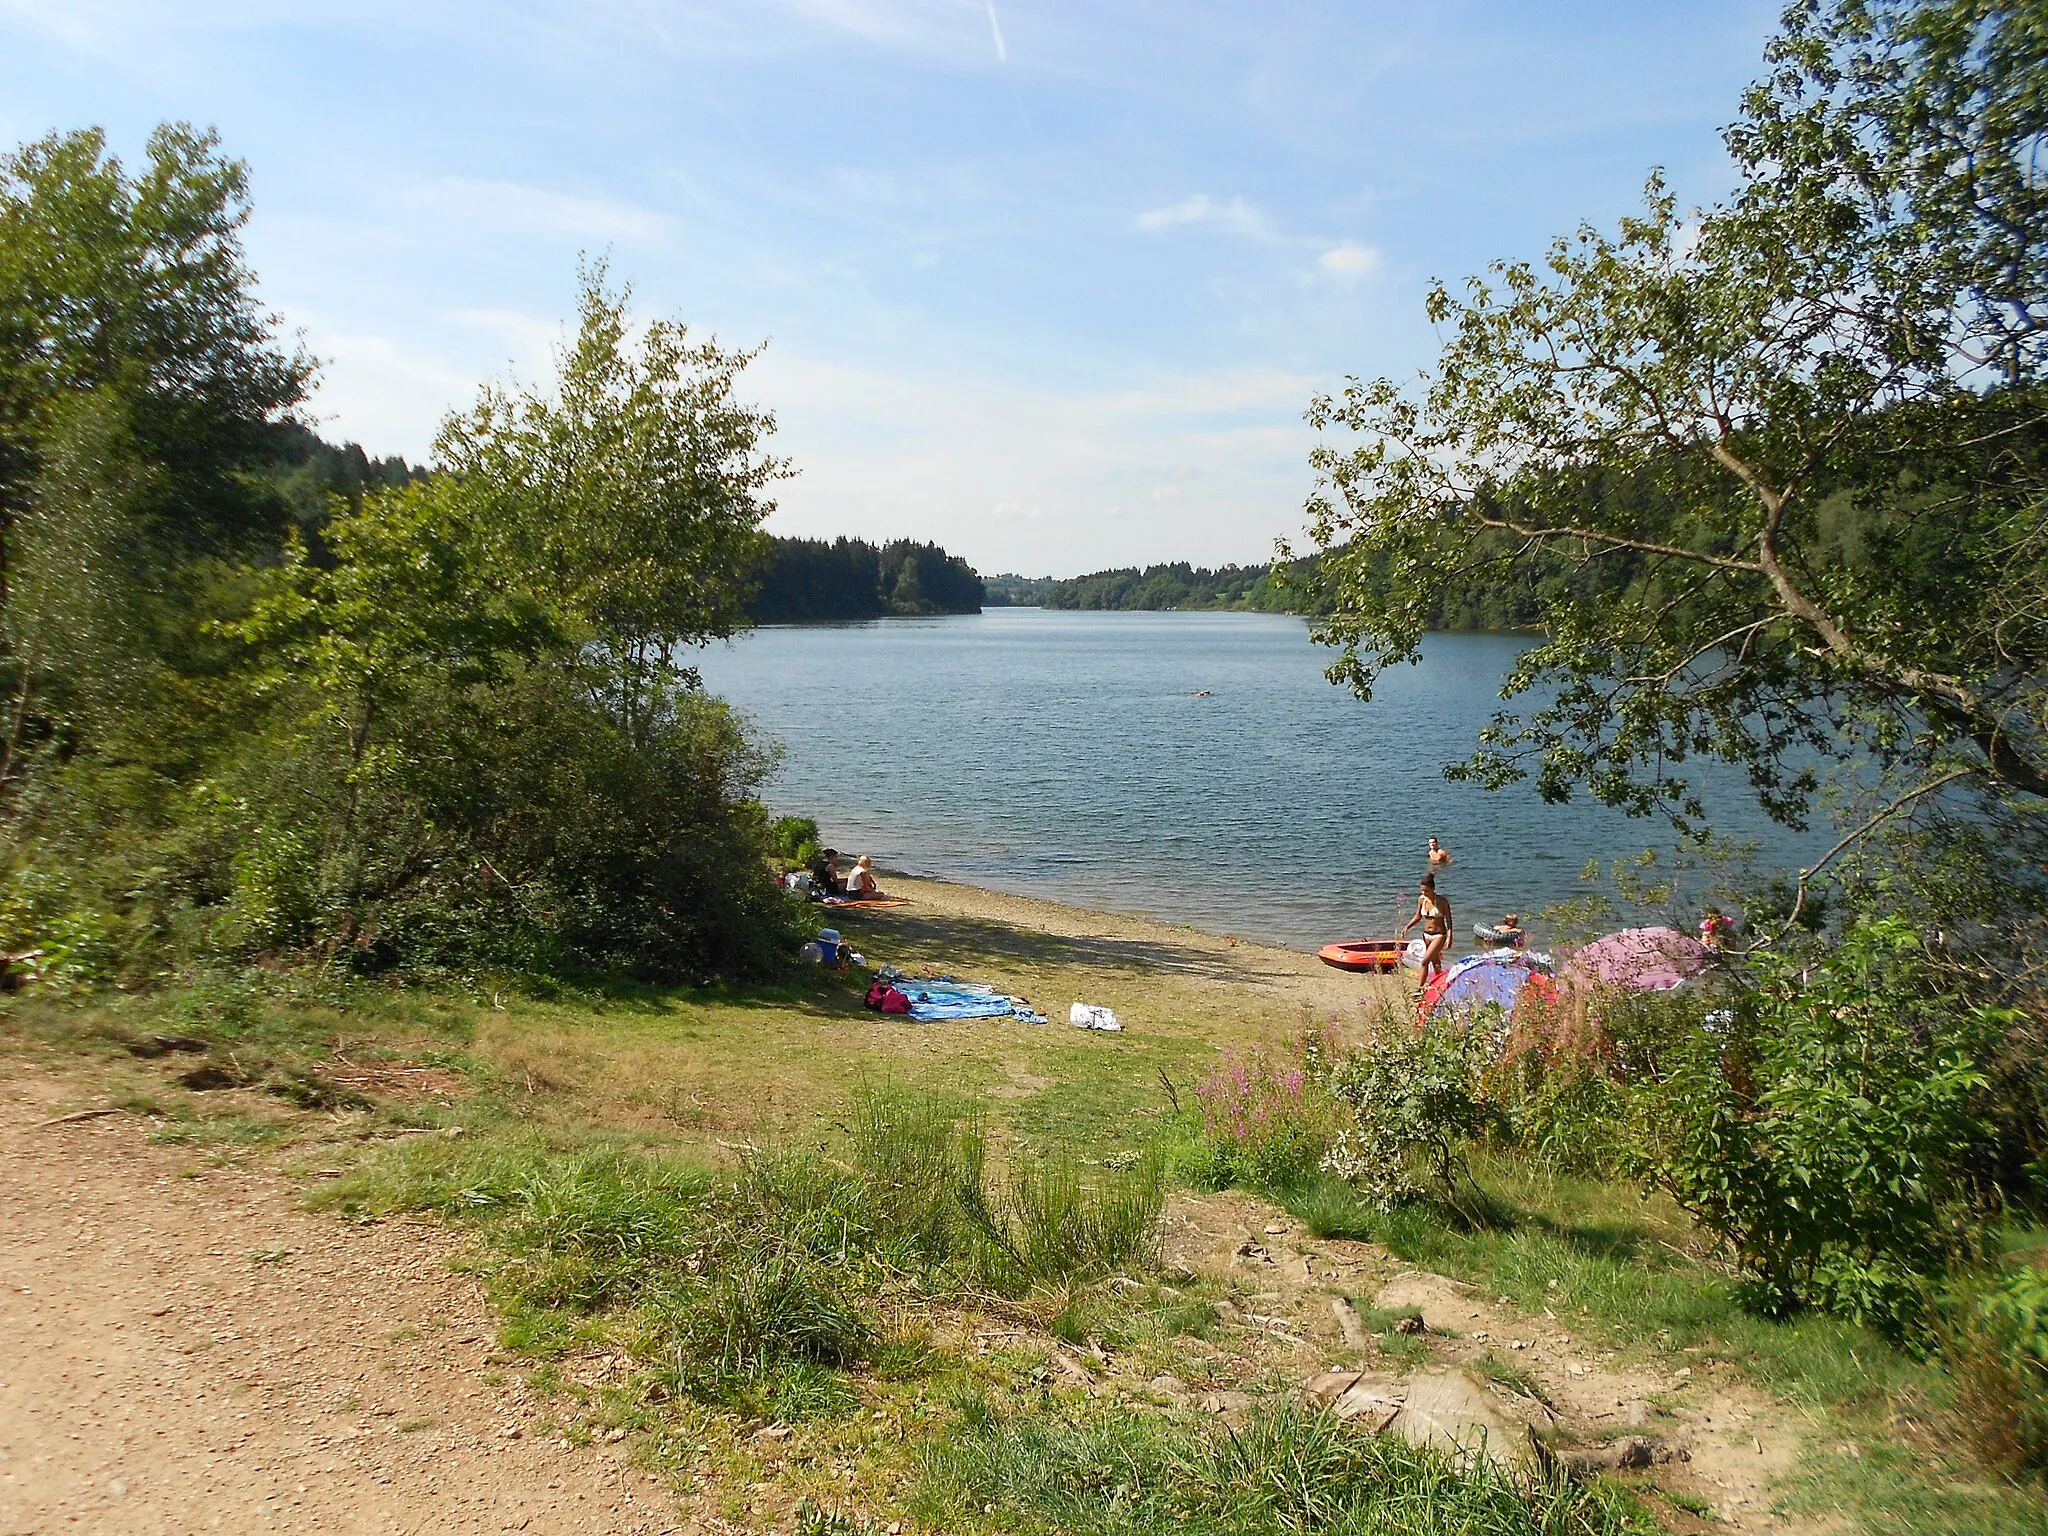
[1434, 913]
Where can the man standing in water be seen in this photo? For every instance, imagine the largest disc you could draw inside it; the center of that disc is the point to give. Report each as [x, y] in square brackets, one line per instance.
[1434, 913]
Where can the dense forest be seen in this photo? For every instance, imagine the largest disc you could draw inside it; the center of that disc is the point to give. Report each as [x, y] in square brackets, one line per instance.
[810, 581]
[1511, 595]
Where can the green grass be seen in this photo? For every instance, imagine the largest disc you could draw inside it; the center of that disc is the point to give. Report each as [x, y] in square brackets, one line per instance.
[994, 1177]
[1609, 1265]
[1115, 1473]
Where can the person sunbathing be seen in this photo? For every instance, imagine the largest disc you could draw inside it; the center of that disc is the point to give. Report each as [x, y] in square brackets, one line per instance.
[825, 879]
[860, 880]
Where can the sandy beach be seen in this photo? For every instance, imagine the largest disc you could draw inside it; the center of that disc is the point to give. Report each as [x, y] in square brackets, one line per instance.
[1172, 949]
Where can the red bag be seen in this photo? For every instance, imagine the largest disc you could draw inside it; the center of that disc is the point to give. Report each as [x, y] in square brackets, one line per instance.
[876, 993]
[895, 1002]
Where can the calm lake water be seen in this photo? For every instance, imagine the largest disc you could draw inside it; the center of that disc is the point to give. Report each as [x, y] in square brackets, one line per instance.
[1067, 755]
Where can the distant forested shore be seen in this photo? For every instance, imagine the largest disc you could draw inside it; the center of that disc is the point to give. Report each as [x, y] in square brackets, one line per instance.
[813, 581]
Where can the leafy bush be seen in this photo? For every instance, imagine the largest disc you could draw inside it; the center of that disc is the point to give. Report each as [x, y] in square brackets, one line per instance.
[795, 839]
[1267, 1118]
[1834, 1137]
[1415, 1092]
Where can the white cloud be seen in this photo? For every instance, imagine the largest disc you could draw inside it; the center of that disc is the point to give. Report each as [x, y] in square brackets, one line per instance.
[486, 205]
[378, 393]
[1349, 260]
[1235, 215]
[1204, 467]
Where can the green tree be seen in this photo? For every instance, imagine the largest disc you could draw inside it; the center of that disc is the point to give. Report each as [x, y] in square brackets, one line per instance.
[136, 286]
[140, 382]
[1797, 443]
[632, 495]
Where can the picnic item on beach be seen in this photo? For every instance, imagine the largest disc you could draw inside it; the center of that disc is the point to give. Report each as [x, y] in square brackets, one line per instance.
[1639, 960]
[1362, 955]
[1093, 1016]
[933, 999]
[829, 949]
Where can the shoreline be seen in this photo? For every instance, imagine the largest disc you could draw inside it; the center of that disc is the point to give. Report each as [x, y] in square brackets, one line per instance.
[1170, 948]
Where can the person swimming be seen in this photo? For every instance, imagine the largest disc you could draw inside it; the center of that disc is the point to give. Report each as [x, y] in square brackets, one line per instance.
[1439, 855]
[1508, 933]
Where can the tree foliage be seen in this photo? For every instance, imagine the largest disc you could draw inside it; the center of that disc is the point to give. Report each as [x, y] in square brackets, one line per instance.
[136, 287]
[1797, 441]
[266, 695]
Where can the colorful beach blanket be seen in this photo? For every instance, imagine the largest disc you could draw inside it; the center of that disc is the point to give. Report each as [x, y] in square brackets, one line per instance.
[933, 1000]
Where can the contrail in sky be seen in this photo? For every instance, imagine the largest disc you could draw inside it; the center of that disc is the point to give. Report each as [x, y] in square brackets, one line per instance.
[995, 26]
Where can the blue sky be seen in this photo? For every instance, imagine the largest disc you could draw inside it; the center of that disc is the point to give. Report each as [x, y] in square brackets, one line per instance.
[1050, 283]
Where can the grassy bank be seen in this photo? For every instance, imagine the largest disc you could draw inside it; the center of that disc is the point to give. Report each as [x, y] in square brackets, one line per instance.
[812, 1260]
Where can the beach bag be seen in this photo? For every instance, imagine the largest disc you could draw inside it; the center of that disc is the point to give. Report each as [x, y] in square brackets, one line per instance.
[1093, 1016]
[877, 992]
[894, 1001]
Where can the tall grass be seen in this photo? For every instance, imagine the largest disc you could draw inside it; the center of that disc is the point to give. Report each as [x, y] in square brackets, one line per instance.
[750, 1287]
[1292, 1470]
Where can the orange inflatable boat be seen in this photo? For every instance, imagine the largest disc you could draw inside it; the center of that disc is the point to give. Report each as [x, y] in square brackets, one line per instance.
[1363, 955]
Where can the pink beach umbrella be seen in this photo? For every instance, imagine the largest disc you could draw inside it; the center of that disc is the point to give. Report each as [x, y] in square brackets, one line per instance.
[1639, 960]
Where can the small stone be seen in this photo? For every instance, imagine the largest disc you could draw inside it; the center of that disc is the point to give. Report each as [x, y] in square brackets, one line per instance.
[1518, 1343]
[1684, 1373]
[1276, 1229]
[512, 1432]
[1635, 1453]
[1227, 1312]
[772, 1432]
[1168, 1386]
[615, 1435]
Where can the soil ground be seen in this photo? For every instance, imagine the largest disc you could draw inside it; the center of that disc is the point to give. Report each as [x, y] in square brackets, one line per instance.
[183, 1350]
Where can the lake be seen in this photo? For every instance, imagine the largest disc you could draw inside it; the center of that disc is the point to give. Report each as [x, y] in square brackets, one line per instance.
[1194, 767]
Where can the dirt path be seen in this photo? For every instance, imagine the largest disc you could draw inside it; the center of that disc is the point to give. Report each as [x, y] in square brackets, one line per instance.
[1718, 1443]
[194, 1354]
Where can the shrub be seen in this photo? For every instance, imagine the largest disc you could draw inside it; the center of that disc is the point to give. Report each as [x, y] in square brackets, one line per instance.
[795, 839]
[1267, 1118]
[1834, 1136]
[1415, 1093]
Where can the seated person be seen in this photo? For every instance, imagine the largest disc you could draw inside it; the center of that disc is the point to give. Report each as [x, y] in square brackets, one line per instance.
[825, 879]
[860, 880]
